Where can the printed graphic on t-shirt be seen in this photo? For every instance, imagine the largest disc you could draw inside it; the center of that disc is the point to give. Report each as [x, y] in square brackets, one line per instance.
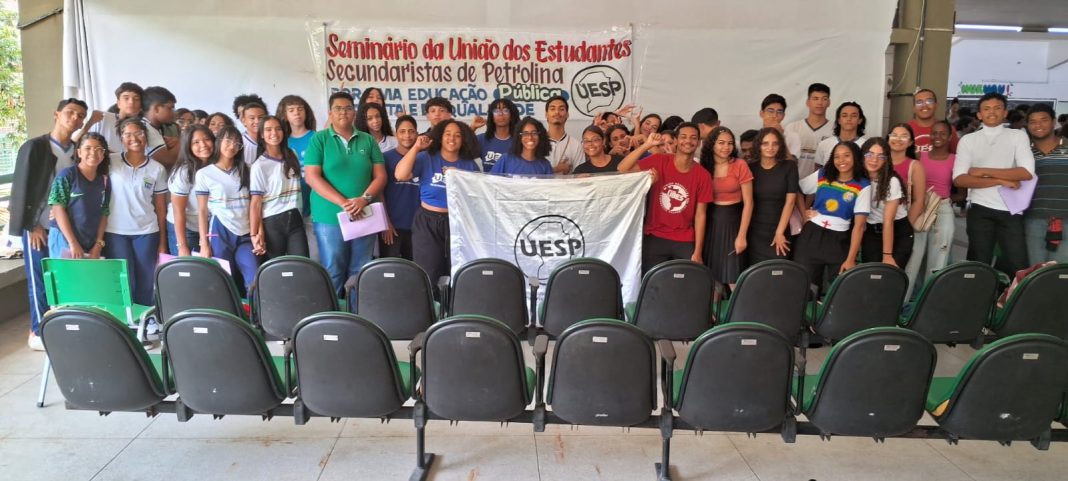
[674, 198]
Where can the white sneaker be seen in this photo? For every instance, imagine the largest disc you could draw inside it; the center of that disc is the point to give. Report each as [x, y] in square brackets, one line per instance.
[151, 327]
[35, 342]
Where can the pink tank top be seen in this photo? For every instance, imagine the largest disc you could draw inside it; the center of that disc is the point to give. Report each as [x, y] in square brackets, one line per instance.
[939, 173]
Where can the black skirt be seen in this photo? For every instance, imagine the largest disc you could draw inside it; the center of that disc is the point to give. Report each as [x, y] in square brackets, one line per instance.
[720, 257]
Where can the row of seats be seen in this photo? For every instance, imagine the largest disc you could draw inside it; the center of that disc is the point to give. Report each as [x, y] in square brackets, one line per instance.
[738, 377]
[674, 301]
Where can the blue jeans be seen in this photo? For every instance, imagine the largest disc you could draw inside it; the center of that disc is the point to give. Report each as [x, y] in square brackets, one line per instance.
[141, 253]
[192, 239]
[236, 249]
[31, 263]
[1035, 235]
[341, 258]
[57, 243]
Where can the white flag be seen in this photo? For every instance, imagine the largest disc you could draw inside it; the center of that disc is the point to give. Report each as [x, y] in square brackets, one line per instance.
[539, 223]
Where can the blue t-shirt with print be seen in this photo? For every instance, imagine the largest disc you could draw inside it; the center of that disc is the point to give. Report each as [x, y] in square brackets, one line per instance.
[492, 150]
[430, 168]
[515, 165]
[402, 198]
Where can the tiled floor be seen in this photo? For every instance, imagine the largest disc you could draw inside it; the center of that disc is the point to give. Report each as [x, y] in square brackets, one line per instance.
[52, 443]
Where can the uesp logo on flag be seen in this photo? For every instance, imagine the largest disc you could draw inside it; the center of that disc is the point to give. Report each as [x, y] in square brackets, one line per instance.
[547, 240]
[540, 223]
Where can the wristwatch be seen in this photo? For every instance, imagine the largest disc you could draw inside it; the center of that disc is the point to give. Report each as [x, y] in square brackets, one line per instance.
[368, 197]
[100, 243]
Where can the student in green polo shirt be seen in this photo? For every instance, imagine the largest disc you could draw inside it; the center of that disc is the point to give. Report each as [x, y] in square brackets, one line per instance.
[345, 170]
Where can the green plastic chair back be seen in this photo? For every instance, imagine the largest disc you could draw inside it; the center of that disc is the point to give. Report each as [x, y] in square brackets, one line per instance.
[100, 283]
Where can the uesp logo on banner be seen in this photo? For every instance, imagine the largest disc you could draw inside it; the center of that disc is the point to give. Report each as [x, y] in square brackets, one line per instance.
[600, 87]
[545, 242]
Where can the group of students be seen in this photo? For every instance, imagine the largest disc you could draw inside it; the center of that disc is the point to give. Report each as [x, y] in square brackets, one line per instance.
[147, 179]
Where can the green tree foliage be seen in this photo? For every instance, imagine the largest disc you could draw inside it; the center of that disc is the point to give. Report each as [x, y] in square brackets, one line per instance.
[12, 98]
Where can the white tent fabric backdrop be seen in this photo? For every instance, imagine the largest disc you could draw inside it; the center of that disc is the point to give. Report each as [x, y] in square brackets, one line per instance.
[688, 54]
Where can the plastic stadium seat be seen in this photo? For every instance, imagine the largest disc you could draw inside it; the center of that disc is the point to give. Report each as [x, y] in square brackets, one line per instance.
[473, 370]
[99, 365]
[751, 395]
[577, 290]
[220, 365]
[492, 288]
[954, 304]
[346, 368]
[749, 302]
[100, 283]
[873, 384]
[195, 283]
[1039, 304]
[288, 289]
[396, 295]
[675, 301]
[1010, 390]
[866, 296]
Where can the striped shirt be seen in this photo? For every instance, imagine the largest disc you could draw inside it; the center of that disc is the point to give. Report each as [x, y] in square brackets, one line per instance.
[1051, 193]
[281, 193]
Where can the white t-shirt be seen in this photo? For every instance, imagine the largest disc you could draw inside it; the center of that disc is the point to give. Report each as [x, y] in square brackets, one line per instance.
[108, 126]
[875, 215]
[227, 200]
[996, 148]
[569, 148]
[251, 146]
[269, 179]
[132, 192]
[826, 147]
[64, 159]
[179, 185]
[802, 141]
[387, 143]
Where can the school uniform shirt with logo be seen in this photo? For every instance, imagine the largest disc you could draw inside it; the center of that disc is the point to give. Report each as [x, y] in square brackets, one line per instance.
[64, 160]
[674, 197]
[567, 147]
[279, 188]
[493, 149]
[179, 184]
[132, 192]
[997, 148]
[837, 202]
[430, 168]
[402, 197]
[802, 141]
[86, 202]
[826, 148]
[227, 200]
[108, 126]
[514, 165]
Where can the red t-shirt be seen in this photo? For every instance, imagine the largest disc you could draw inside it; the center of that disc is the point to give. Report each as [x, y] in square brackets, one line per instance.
[728, 189]
[674, 198]
[922, 138]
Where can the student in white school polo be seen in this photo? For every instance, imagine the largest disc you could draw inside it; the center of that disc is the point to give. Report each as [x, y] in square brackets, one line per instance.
[988, 159]
[251, 117]
[137, 225]
[274, 215]
[128, 101]
[223, 200]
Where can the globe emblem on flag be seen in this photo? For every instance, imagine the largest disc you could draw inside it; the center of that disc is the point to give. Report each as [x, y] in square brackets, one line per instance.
[545, 242]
